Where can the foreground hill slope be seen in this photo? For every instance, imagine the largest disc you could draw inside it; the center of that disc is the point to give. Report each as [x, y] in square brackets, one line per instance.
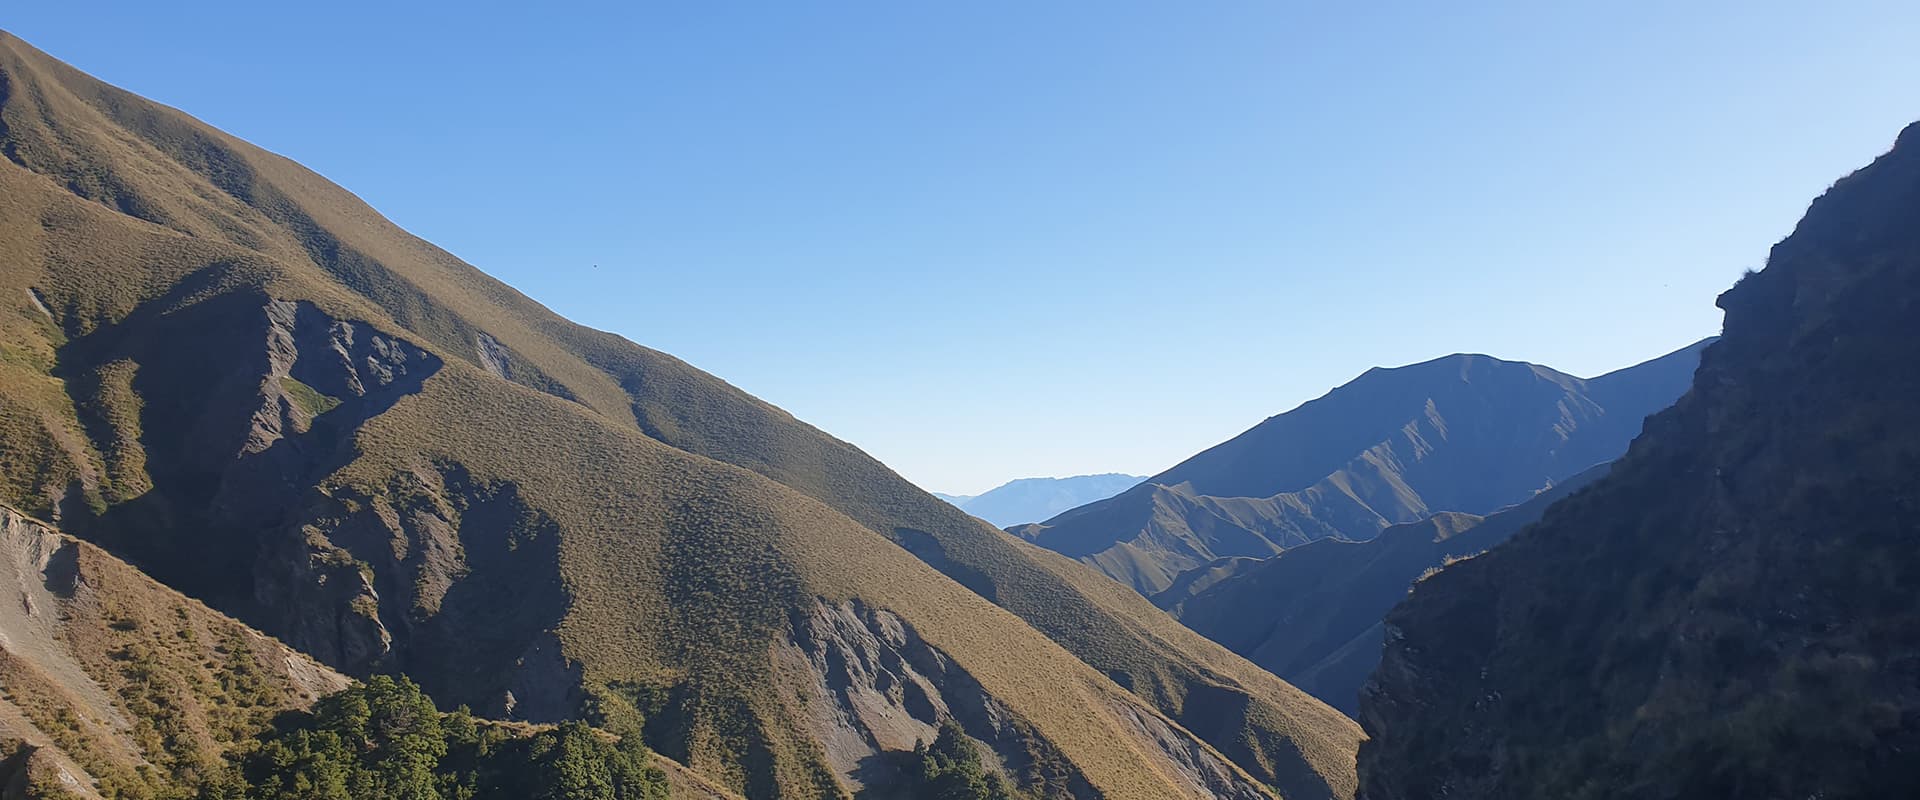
[1730, 612]
[113, 686]
[1034, 499]
[110, 682]
[1313, 614]
[224, 368]
[1464, 433]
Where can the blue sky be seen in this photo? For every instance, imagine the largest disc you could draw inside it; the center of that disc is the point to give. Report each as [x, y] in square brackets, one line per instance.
[988, 240]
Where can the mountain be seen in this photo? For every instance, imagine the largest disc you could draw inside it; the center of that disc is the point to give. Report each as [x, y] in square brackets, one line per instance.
[111, 681]
[112, 685]
[242, 379]
[1464, 433]
[1730, 612]
[1312, 614]
[1033, 499]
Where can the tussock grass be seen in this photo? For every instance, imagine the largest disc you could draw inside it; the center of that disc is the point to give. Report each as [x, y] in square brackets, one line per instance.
[693, 518]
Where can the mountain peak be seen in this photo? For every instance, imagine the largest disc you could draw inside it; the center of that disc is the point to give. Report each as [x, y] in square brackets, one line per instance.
[238, 375]
[1465, 432]
[1728, 612]
[1024, 500]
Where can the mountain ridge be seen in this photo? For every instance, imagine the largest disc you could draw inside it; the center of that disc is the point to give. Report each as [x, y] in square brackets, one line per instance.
[1728, 613]
[220, 366]
[1462, 433]
[1024, 500]
[1313, 614]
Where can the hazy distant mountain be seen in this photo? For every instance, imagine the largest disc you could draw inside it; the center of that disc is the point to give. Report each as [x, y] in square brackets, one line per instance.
[223, 368]
[1465, 433]
[1034, 499]
[1730, 612]
[1312, 614]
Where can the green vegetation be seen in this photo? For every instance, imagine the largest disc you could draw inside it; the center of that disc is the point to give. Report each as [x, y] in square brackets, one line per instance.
[950, 769]
[142, 690]
[385, 739]
[309, 399]
[610, 514]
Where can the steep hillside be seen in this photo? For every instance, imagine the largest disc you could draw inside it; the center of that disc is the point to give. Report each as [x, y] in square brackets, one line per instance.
[1730, 612]
[1463, 433]
[235, 374]
[1312, 614]
[113, 684]
[1035, 499]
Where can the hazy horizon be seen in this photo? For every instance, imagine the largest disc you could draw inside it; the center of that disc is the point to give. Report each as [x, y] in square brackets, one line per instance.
[1110, 236]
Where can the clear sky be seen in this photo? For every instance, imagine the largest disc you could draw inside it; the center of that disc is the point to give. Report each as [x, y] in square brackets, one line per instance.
[985, 240]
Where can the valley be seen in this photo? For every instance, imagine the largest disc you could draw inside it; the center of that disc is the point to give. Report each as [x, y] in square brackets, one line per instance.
[298, 505]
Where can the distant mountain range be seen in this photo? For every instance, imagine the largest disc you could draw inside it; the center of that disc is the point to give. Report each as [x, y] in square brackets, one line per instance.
[1034, 499]
[1465, 433]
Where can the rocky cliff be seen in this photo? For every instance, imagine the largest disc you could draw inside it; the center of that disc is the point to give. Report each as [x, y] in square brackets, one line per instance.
[1729, 613]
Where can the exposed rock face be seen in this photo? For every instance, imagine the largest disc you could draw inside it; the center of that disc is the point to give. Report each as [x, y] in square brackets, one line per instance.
[86, 645]
[871, 689]
[1464, 433]
[322, 372]
[493, 356]
[39, 576]
[350, 468]
[241, 405]
[434, 575]
[1204, 773]
[1730, 612]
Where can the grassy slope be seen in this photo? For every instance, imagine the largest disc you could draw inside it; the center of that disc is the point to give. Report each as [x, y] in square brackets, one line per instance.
[182, 214]
[1311, 614]
[1729, 613]
[109, 676]
[122, 680]
[1462, 433]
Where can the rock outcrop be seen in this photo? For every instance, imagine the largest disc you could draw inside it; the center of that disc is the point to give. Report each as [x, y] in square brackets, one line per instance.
[1729, 613]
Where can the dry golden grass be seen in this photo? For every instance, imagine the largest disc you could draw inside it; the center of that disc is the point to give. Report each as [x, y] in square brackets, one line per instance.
[133, 682]
[694, 518]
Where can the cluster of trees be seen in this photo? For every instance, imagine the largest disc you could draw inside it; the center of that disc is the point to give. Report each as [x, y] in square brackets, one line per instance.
[950, 769]
[385, 739]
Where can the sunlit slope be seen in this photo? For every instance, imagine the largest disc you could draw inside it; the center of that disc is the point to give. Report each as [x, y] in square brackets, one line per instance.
[396, 462]
[110, 681]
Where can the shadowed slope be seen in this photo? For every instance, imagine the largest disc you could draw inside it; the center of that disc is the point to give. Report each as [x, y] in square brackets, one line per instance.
[109, 677]
[237, 374]
[1312, 614]
[1729, 613]
[1464, 433]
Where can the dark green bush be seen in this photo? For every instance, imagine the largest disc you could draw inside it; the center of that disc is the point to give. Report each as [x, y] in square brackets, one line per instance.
[385, 739]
